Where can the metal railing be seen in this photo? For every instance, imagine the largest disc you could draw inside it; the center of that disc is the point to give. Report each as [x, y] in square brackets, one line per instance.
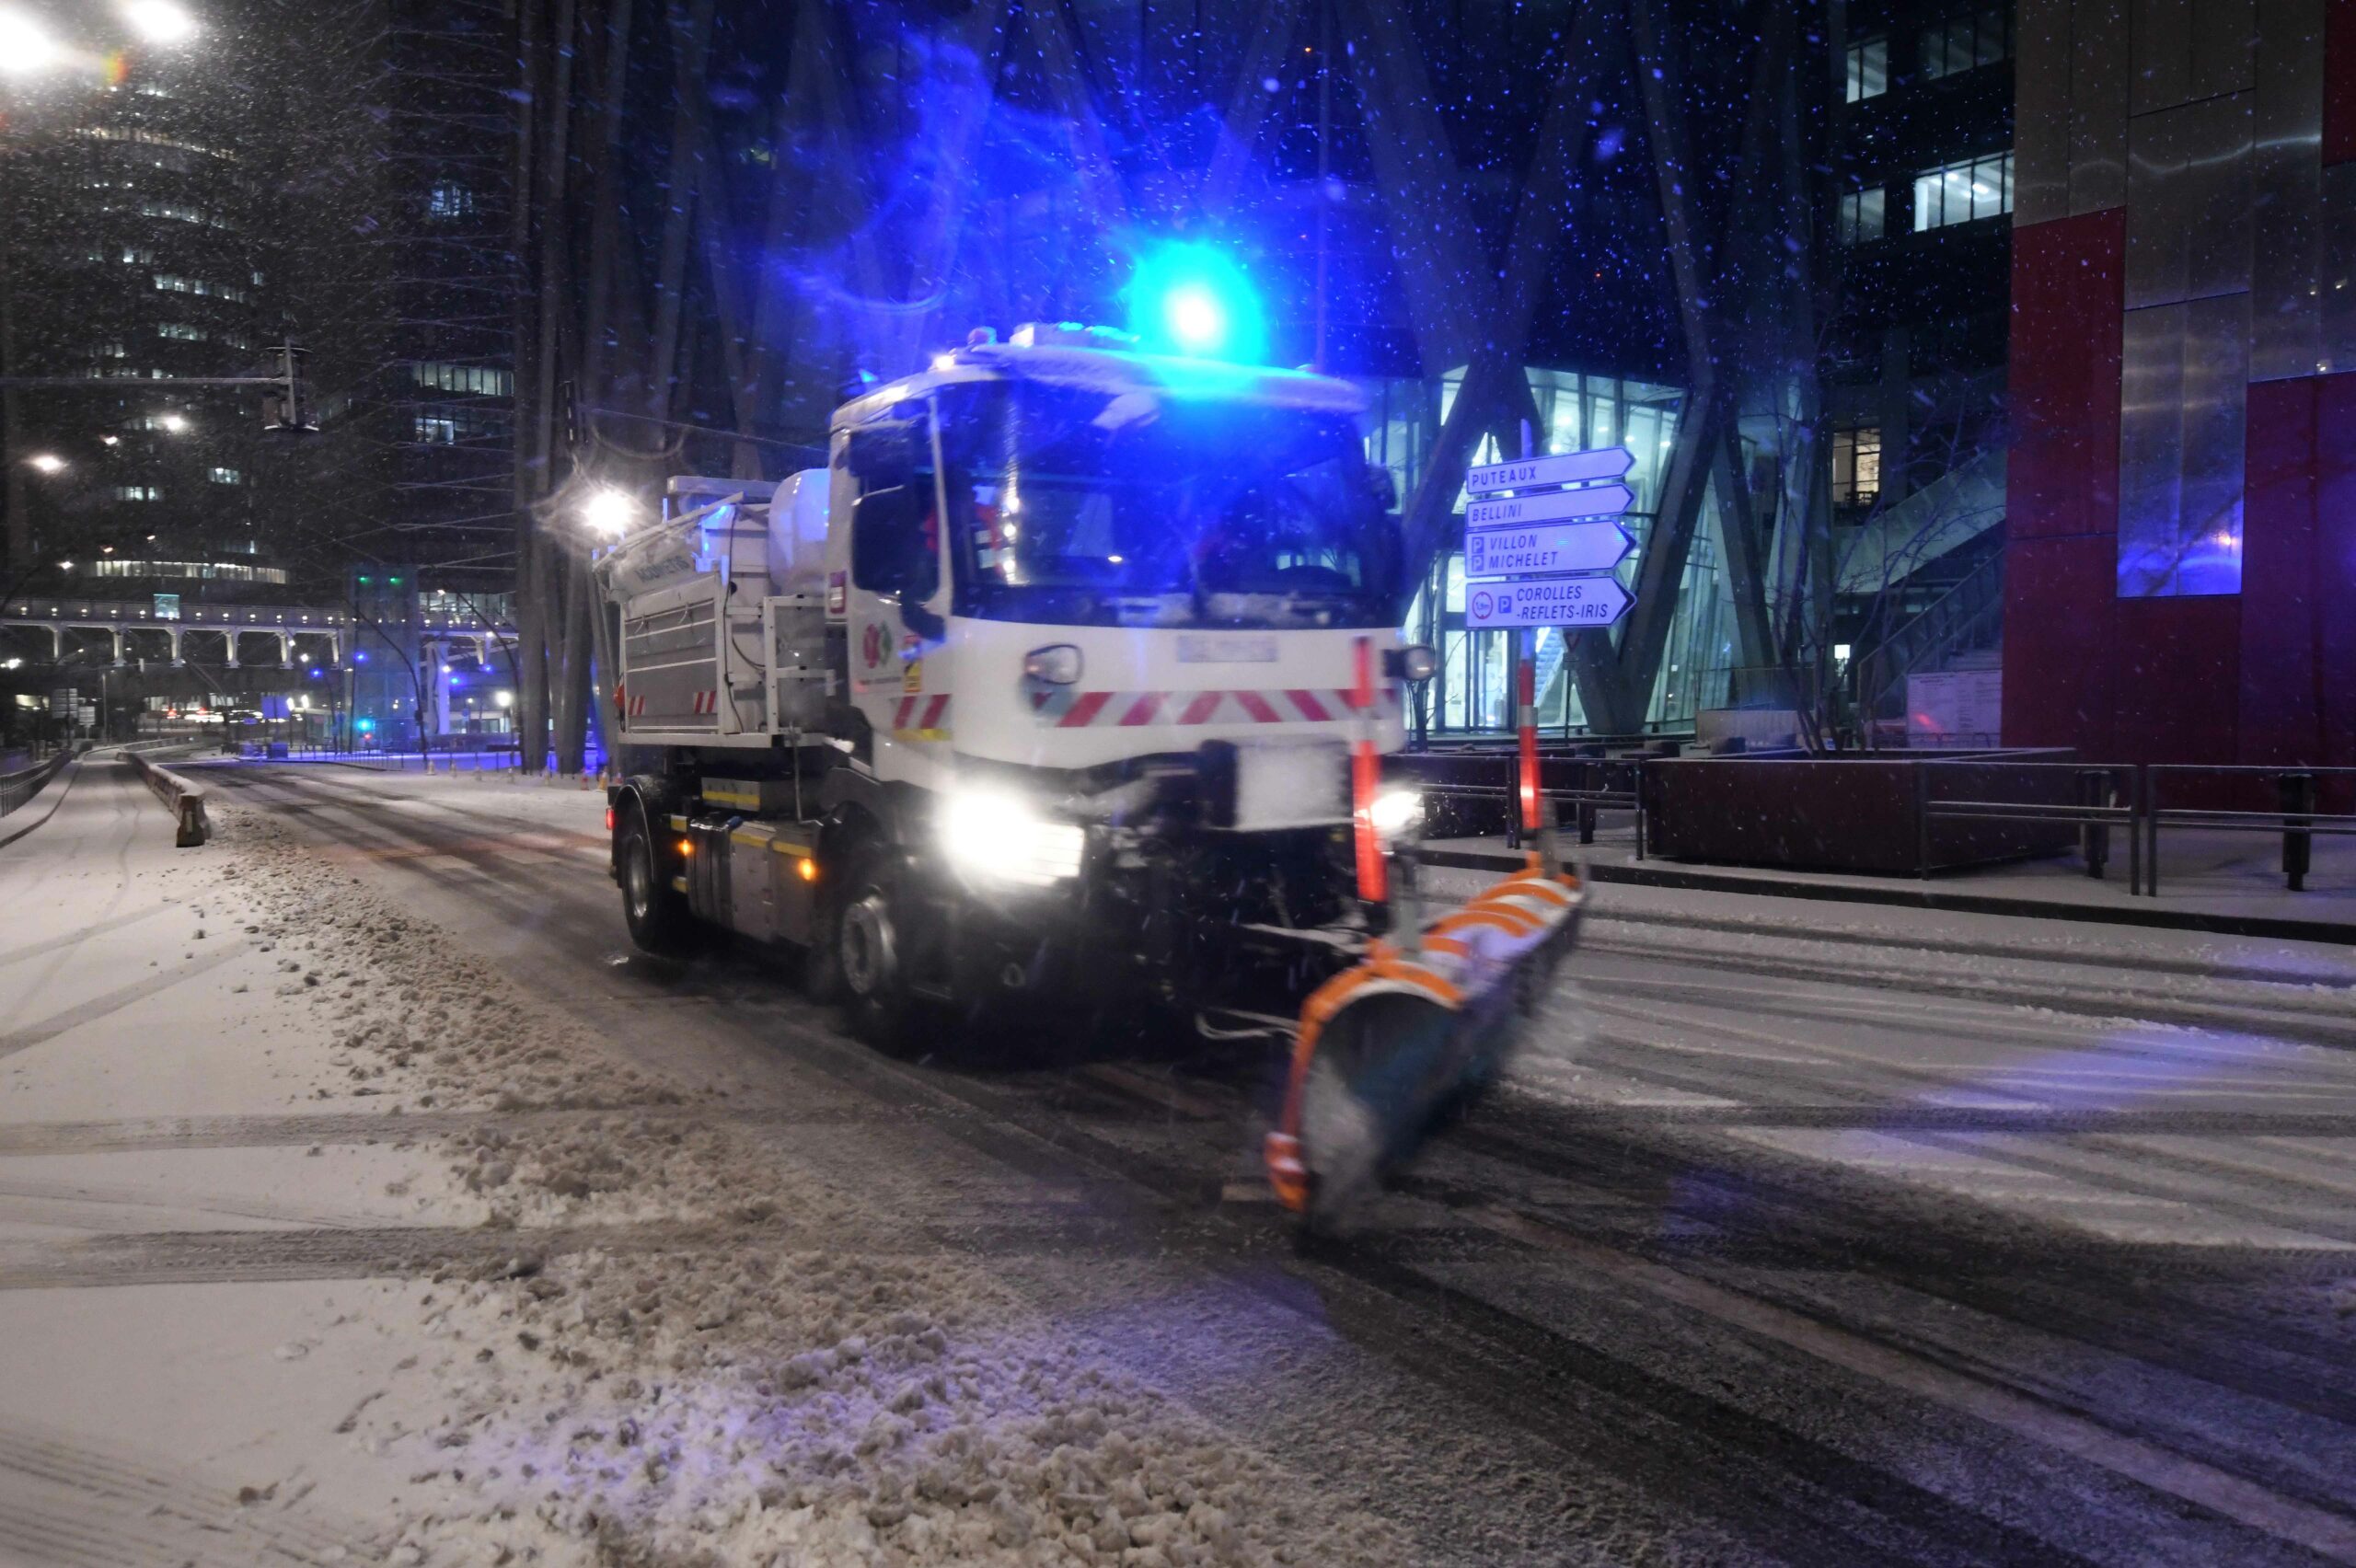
[17, 789]
[2297, 818]
[1606, 783]
[2098, 808]
[2104, 800]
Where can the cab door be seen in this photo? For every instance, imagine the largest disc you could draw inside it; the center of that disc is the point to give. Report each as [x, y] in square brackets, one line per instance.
[897, 595]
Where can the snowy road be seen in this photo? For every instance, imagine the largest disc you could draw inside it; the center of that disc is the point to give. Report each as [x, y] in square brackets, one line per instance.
[1806, 1235]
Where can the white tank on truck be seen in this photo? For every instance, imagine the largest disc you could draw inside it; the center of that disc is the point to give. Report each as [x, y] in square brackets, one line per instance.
[1052, 687]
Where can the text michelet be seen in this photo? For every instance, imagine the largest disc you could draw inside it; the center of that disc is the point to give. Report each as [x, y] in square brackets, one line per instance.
[1595, 546]
[1554, 601]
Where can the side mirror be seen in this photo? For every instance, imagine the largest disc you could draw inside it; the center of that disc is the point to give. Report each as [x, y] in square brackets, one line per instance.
[1383, 485]
[1414, 662]
[883, 456]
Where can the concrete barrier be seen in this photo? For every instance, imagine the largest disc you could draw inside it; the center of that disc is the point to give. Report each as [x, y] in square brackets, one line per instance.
[185, 800]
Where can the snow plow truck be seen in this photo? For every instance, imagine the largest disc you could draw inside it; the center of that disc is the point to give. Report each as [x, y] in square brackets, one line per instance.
[1065, 686]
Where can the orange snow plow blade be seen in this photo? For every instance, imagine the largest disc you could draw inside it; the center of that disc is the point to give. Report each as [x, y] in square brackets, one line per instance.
[1384, 1047]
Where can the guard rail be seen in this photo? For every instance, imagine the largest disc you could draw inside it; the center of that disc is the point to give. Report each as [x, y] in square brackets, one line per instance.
[16, 788]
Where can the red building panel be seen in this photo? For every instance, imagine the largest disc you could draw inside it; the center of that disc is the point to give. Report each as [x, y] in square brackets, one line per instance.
[2339, 82]
[2068, 297]
[2336, 565]
[2059, 595]
[2177, 679]
[2282, 696]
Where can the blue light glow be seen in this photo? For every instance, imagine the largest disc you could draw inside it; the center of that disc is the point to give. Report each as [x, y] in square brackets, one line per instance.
[367, 726]
[1194, 301]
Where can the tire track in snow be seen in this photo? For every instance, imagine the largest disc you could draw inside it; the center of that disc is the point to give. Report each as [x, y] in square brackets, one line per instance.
[114, 1001]
[378, 1249]
[2326, 1023]
[2327, 974]
[64, 1500]
[1798, 1498]
[2107, 1295]
[412, 1125]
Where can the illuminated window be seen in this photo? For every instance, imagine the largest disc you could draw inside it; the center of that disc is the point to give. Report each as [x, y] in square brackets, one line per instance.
[185, 333]
[224, 475]
[1868, 69]
[1964, 192]
[1965, 43]
[476, 378]
[172, 282]
[449, 198]
[137, 492]
[1857, 465]
[1861, 215]
[181, 212]
[448, 427]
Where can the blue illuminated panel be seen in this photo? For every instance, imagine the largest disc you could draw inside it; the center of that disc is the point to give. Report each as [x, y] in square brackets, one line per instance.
[2182, 429]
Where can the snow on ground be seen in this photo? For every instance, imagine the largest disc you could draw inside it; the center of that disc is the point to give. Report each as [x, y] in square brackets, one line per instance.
[584, 1321]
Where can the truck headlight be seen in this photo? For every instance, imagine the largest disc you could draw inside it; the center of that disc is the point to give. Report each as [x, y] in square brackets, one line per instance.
[991, 836]
[1394, 811]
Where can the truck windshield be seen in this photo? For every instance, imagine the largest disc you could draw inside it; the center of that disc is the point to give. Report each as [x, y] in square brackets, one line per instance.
[1078, 506]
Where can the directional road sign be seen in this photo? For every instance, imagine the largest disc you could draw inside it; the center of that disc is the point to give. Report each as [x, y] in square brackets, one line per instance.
[1548, 506]
[1593, 545]
[1574, 602]
[1567, 468]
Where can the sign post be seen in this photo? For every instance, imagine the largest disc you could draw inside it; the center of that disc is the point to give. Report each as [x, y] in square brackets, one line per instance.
[1541, 539]
[1525, 682]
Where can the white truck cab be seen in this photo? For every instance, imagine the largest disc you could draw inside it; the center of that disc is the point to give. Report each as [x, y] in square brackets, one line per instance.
[1046, 684]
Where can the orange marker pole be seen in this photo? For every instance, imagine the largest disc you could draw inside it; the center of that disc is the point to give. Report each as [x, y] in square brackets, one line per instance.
[1526, 687]
[1365, 778]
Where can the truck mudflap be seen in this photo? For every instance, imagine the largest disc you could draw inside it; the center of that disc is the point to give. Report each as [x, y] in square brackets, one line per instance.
[1384, 1048]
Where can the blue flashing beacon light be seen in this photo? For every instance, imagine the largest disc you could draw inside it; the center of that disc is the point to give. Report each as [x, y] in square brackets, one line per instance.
[1192, 300]
[367, 726]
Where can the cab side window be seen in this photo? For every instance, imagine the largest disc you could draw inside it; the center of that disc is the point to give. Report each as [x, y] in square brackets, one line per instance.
[895, 530]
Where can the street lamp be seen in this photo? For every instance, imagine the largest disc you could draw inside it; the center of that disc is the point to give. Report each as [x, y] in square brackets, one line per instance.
[175, 424]
[47, 462]
[160, 21]
[25, 45]
[609, 512]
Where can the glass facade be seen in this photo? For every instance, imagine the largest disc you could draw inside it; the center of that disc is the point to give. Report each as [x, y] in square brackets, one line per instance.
[1473, 693]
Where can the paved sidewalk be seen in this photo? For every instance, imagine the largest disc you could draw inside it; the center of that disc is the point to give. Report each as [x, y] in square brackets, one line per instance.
[2229, 882]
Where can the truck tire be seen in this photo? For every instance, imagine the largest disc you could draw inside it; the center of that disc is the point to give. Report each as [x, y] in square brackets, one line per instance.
[870, 949]
[655, 912]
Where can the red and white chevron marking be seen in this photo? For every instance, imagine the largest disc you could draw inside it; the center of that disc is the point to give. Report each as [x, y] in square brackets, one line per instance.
[920, 713]
[1067, 710]
[633, 704]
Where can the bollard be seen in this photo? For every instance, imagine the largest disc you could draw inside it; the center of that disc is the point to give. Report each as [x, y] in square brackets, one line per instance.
[2094, 837]
[2297, 792]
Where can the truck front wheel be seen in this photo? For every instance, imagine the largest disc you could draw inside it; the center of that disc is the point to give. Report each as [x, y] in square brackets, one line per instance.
[655, 912]
[870, 957]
